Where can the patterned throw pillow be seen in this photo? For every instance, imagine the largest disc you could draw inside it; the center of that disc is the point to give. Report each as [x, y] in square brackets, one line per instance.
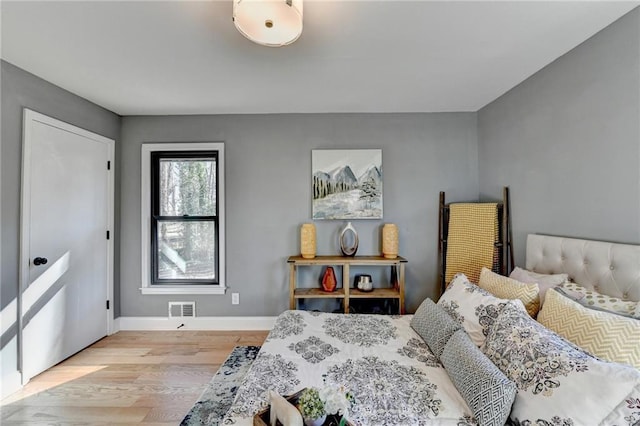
[627, 412]
[434, 325]
[487, 391]
[558, 383]
[544, 281]
[507, 288]
[473, 307]
[606, 335]
[602, 301]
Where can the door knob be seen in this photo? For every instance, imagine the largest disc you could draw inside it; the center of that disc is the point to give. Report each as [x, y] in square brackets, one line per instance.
[40, 261]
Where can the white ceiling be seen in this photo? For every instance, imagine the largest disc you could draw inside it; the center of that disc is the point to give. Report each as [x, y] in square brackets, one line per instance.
[186, 57]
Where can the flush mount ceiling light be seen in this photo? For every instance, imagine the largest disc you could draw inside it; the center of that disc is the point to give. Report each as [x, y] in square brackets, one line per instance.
[271, 23]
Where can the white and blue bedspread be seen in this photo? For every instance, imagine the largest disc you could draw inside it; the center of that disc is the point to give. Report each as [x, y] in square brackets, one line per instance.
[395, 378]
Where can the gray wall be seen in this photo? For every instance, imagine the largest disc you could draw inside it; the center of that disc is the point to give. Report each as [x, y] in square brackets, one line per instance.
[268, 182]
[21, 89]
[567, 142]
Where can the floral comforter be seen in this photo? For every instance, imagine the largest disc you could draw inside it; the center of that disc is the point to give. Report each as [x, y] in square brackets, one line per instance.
[381, 360]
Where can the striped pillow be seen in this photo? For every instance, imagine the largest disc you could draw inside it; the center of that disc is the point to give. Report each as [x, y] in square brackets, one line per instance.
[508, 288]
[487, 391]
[434, 325]
[606, 335]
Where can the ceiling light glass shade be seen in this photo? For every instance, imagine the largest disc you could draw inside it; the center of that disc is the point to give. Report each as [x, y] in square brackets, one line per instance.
[269, 22]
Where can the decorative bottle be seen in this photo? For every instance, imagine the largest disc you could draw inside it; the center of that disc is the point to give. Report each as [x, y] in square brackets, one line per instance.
[308, 240]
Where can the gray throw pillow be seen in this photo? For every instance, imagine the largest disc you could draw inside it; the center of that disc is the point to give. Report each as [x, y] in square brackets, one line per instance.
[434, 325]
[487, 391]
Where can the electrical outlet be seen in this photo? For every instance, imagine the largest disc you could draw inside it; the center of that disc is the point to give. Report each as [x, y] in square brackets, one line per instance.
[235, 298]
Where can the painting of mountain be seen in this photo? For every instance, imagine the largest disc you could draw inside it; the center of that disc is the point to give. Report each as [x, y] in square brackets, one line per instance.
[346, 183]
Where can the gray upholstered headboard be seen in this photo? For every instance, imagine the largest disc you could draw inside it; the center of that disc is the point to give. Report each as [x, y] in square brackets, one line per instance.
[608, 268]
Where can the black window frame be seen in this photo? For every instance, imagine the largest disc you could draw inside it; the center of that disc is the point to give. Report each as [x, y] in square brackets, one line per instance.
[156, 217]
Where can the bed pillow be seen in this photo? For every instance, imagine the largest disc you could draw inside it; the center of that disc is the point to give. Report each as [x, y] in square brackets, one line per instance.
[628, 412]
[544, 281]
[434, 325]
[606, 335]
[602, 301]
[508, 288]
[472, 307]
[487, 391]
[552, 374]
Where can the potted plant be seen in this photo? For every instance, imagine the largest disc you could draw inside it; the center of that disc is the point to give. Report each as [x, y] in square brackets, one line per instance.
[311, 407]
[314, 404]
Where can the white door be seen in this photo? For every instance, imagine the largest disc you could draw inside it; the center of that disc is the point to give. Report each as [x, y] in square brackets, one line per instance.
[65, 253]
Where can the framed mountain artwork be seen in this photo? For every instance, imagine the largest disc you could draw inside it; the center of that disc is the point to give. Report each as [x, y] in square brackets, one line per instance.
[346, 183]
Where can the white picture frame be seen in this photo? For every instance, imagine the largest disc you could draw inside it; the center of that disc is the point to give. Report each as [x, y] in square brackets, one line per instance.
[346, 184]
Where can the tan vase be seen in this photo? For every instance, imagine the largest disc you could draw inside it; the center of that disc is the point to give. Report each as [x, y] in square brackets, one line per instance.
[390, 241]
[308, 240]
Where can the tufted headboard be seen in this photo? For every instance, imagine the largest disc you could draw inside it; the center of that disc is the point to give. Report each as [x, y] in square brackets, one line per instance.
[608, 268]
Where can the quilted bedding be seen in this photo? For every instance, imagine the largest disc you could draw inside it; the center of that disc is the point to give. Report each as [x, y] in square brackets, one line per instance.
[395, 378]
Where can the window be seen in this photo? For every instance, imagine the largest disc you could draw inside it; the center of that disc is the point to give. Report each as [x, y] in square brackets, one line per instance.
[183, 218]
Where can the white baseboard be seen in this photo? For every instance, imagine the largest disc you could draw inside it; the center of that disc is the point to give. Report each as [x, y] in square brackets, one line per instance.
[197, 323]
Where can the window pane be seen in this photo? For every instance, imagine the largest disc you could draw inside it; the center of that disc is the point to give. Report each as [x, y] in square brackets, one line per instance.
[187, 187]
[186, 250]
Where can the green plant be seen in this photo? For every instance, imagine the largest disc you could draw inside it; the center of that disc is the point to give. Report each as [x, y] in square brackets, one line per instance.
[310, 404]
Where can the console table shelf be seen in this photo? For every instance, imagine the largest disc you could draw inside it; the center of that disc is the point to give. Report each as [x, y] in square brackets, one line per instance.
[317, 293]
[345, 293]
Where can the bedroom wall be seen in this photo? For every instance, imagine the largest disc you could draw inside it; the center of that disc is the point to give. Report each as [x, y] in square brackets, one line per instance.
[268, 168]
[567, 142]
[21, 89]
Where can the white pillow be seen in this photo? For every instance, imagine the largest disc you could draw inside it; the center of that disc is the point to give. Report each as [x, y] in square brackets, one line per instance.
[627, 412]
[473, 307]
[555, 378]
[544, 281]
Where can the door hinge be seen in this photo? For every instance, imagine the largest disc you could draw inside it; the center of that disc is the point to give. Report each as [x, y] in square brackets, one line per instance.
[107, 304]
[108, 165]
[108, 234]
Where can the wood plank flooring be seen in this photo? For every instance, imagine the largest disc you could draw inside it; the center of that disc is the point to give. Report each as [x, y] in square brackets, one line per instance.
[149, 378]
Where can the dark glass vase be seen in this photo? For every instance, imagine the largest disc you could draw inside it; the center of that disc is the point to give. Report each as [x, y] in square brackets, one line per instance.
[394, 277]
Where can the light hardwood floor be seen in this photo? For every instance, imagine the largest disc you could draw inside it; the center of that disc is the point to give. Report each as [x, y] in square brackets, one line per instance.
[150, 378]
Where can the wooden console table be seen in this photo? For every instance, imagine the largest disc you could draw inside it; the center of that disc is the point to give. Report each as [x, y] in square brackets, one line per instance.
[345, 292]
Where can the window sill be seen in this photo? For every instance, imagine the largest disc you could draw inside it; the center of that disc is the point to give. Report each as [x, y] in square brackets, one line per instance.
[166, 290]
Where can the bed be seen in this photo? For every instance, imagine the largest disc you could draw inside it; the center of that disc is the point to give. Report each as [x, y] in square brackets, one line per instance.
[397, 379]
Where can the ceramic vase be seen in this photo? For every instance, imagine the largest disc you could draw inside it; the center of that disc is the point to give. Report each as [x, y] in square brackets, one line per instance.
[308, 240]
[315, 422]
[349, 248]
[329, 279]
[390, 241]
